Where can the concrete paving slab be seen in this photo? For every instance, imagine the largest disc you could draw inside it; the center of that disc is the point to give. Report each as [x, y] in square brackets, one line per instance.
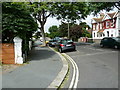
[44, 66]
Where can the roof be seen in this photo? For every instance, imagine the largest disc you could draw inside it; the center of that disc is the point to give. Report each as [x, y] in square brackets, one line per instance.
[111, 14]
[99, 19]
[102, 16]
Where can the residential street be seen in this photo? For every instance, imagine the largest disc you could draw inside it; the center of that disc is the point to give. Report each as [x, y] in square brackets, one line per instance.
[98, 67]
[60, 45]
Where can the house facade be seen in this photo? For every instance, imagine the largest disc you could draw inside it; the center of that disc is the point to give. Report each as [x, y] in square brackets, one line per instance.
[107, 25]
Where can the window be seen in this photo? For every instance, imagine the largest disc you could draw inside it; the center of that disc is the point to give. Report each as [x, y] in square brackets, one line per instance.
[111, 35]
[94, 34]
[105, 39]
[100, 25]
[103, 34]
[94, 26]
[112, 23]
[107, 24]
[103, 25]
[108, 33]
[97, 26]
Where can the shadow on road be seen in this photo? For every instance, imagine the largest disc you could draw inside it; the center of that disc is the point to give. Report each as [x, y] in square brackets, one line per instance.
[40, 53]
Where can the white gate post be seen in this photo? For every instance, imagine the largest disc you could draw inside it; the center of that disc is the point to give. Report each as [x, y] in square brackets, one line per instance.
[30, 45]
[18, 50]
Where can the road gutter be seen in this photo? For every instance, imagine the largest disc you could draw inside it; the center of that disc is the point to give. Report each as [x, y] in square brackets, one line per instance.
[75, 76]
[62, 74]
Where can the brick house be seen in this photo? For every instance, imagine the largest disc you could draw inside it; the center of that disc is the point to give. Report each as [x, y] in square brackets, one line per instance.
[107, 25]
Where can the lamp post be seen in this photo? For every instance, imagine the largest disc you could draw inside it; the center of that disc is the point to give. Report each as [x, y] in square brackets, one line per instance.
[68, 30]
[91, 30]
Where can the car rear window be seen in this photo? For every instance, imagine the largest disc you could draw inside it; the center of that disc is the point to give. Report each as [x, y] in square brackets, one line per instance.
[66, 41]
[51, 41]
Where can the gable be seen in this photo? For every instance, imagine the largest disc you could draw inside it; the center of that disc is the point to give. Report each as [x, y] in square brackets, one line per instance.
[106, 17]
[93, 21]
[111, 14]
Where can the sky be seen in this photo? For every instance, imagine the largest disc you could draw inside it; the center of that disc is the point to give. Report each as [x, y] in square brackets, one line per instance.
[53, 21]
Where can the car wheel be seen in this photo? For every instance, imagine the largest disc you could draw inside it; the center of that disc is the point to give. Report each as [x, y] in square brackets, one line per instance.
[74, 49]
[60, 50]
[50, 45]
[116, 47]
[101, 45]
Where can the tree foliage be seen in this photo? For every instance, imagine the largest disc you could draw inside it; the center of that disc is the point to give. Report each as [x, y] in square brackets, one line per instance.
[76, 32]
[98, 6]
[63, 29]
[70, 11]
[53, 31]
[16, 21]
[41, 11]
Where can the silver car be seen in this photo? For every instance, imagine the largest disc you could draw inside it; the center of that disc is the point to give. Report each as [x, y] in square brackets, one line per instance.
[65, 44]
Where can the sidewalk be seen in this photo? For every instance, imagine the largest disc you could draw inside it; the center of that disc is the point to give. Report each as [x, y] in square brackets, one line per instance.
[43, 68]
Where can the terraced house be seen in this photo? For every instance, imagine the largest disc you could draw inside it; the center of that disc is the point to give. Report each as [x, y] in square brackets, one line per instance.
[107, 25]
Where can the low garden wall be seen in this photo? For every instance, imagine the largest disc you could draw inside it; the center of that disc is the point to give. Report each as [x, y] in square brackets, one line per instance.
[7, 54]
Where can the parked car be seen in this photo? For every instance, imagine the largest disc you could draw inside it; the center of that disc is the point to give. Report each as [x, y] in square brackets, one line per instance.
[65, 44]
[110, 42]
[51, 43]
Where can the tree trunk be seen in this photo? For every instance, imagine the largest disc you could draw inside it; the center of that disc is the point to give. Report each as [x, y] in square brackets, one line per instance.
[43, 35]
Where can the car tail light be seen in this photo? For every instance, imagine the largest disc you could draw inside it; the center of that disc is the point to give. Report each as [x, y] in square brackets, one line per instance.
[61, 45]
[73, 44]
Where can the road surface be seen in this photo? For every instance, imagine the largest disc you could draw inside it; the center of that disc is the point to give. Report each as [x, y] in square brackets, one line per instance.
[98, 67]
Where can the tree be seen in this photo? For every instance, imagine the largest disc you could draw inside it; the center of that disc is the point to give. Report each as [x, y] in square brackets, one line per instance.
[63, 29]
[41, 11]
[85, 33]
[98, 6]
[76, 32]
[17, 21]
[65, 11]
[71, 11]
[53, 31]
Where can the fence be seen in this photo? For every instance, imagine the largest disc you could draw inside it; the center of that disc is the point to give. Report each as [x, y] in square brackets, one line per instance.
[7, 55]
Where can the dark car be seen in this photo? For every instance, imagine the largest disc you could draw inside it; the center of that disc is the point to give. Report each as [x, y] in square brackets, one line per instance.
[110, 42]
[52, 43]
[65, 44]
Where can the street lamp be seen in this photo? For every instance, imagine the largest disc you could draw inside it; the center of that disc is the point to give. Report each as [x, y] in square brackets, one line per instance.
[68, 30]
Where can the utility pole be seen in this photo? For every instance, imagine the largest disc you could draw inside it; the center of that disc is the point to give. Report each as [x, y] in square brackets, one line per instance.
[68, 30]
[91, 30]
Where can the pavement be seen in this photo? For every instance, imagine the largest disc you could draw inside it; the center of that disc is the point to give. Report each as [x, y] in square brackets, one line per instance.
[42, 69]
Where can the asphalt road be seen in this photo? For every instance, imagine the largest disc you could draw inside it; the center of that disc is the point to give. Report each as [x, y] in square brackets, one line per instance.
[98, 67]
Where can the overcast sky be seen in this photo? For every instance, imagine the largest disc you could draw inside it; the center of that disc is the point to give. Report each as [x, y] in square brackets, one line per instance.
[53, 21]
